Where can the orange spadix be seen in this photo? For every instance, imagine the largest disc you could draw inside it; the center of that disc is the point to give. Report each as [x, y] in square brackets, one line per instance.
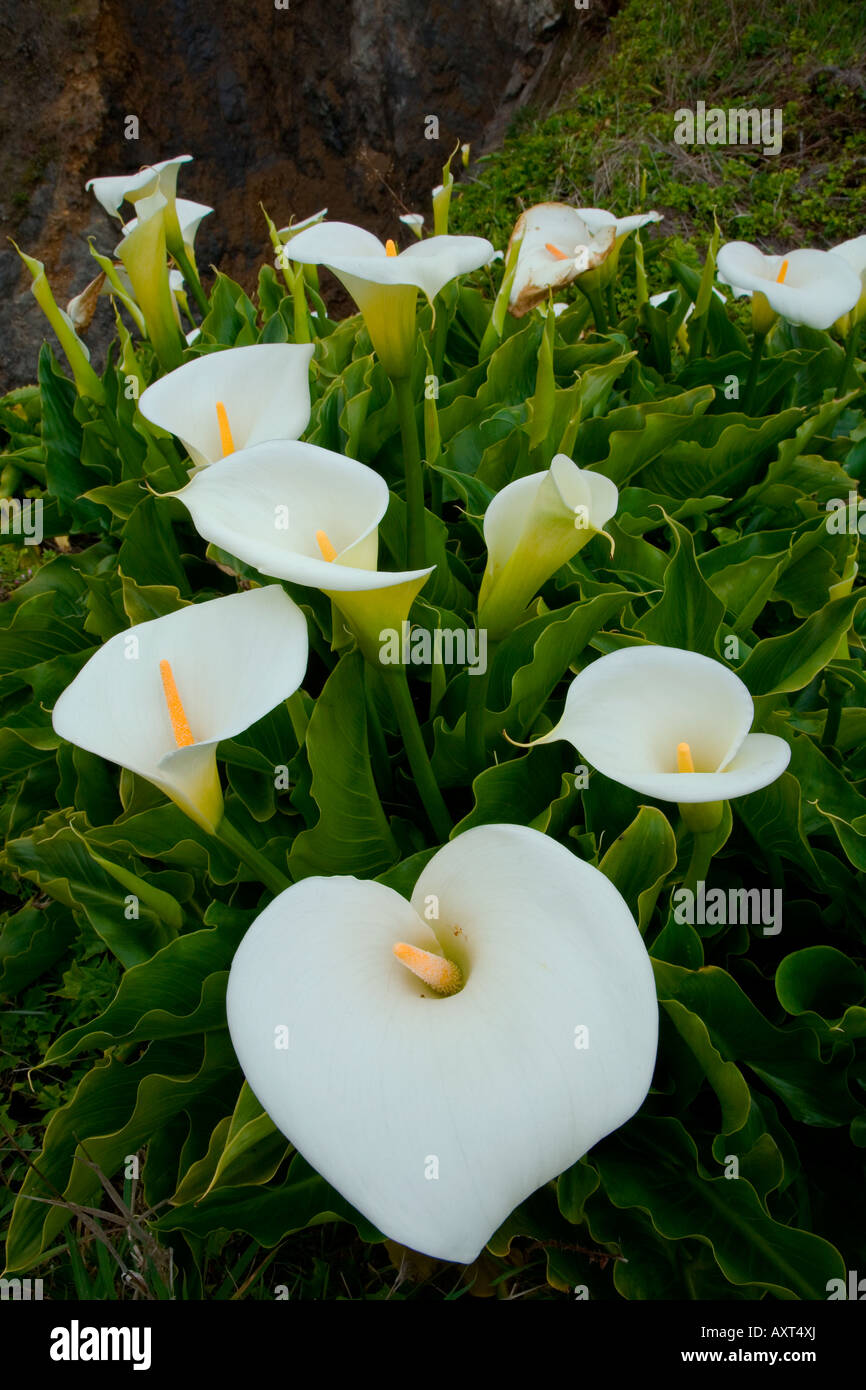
[685, 761]
[437, 972]
[176, 713]
[228, 444]
[328, 550]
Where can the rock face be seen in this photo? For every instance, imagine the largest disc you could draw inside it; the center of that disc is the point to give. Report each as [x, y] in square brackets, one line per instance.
[317, 103]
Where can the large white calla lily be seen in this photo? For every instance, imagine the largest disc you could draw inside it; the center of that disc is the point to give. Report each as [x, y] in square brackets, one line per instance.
[533, 527]
[158, 698]
[438, 1084]
[671, 724]
[310, 516]
[384, 284]
[263, 391]
[559, 243]
[809, 287]
[190, 216]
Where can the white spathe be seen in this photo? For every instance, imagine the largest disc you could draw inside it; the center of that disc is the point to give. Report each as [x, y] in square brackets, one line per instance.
[532, 527]
[265, 389]
[384, 287]
[356, 255]
[114, 189]
[582, 238]
[189, 214]
[436, 1116]
[656, 300]
[233, 659]
[818, 287]
[853, 253]
[266, 505]
[627, 712]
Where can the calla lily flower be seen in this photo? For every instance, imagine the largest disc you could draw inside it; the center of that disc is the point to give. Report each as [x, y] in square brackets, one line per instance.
[310, 516]
[159, 697]
[853, 252]
[437, 1072]
[383, 284]
[414, 221]
[561, 243]
[112, 191]
[143, 254]
[263, 389]
[86, 381]
[286, 233]
[809, 287]
[533, 527]
[670, 724]
[190, 216]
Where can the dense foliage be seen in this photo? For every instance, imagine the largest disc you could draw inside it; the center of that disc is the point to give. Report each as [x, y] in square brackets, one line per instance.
[721, 546]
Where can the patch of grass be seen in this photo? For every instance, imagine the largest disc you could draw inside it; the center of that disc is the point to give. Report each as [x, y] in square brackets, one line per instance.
[611, 142]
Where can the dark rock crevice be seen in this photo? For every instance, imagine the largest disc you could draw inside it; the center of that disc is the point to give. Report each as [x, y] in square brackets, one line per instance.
[322, 104]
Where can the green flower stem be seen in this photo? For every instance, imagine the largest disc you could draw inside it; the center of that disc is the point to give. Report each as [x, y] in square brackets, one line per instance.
[752, 379]
[415, 548]
[597, 306]
[850, 353]
[267, 873]
[834, 691]
[190, 274]
[703, 844]
[299, 306]
[702, 816]
[611, 302]
[375, 733]
[436, 492]
[476, 705]
[413, 741]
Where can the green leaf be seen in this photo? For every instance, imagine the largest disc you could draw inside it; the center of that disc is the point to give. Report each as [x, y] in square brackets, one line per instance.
[639, 861]
[352, 835]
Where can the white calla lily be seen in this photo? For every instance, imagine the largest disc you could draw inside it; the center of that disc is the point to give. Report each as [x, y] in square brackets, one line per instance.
[808, 287]
[533, 527]
[384, 284]
[545, 1043]
[190, 216]
[294, 227]
[559, 244]
[283, 506]
[853, 253]
[658, 299]
[264, 390]
[230, 661]
[642, 714]
[113, 191]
